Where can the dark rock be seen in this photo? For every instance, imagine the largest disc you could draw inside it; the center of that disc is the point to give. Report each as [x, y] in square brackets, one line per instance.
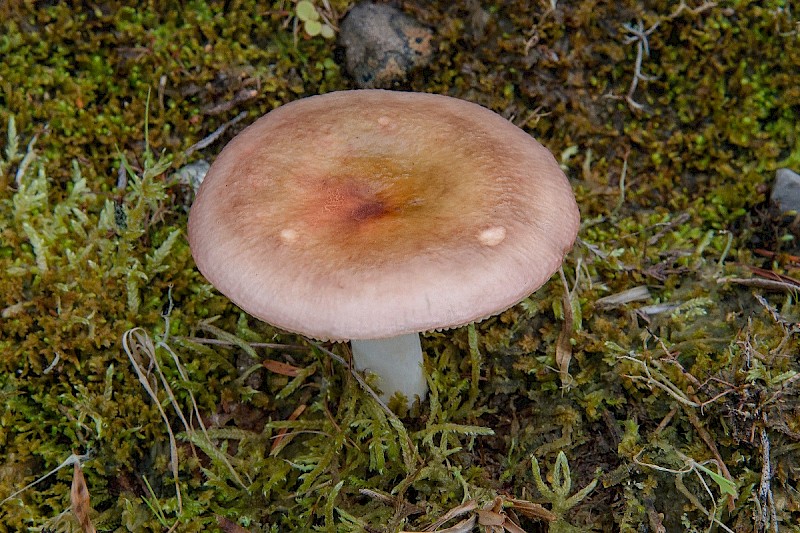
[786, 191]
[382, 45]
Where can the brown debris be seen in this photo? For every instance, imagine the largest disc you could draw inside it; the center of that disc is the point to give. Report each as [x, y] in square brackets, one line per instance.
[284, 369]
[79, 496]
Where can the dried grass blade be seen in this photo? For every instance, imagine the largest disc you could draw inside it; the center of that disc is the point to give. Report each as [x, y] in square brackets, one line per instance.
[136, 342]
[564, 345]
[72, 459]
[464, 508]
[465, 526]
[282, 433]
[144, 340]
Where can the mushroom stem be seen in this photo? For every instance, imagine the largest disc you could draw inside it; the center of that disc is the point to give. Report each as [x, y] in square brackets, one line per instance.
[397, 361]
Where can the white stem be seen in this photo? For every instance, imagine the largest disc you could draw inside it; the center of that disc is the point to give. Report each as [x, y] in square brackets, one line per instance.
[397, 361]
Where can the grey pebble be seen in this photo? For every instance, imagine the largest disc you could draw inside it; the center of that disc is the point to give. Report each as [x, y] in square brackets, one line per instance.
[192, 174]
[382, 45]
[786, 190]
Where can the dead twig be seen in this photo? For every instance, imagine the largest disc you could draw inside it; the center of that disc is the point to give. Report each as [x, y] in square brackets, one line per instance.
[781, 258]
[698, 468]
[709, 440]
[653, 375]
[639, 36]
[767, 506]
[242, 96]
[270, 345]
[139, 347]
[770, 284]
[694, 11]
[216, 134]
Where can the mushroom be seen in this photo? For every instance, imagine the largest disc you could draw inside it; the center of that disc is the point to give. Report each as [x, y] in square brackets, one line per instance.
[372, 216]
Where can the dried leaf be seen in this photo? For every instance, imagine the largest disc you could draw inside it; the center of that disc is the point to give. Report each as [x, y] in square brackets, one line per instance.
[284, 369]
[532, 510]
[465, 507]
[490, 518]
[636, 294]
[511, 527]
[79, 496]
[496, 519]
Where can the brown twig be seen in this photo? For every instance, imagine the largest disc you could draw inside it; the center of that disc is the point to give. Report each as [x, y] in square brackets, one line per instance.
[216, 134]
[769, 284]
[271, 345]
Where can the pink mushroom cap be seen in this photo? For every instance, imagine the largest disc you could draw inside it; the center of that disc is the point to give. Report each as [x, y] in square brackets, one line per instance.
[370, 214]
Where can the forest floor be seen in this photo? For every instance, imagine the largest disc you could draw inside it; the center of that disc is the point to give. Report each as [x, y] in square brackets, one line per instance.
[667, 400]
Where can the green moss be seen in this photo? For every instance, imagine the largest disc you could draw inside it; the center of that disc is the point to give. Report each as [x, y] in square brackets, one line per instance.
[672, 196]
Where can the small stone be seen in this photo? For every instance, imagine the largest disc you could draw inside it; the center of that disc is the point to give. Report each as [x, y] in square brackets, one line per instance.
[786, 191]
[382, 45]
[192, 174]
